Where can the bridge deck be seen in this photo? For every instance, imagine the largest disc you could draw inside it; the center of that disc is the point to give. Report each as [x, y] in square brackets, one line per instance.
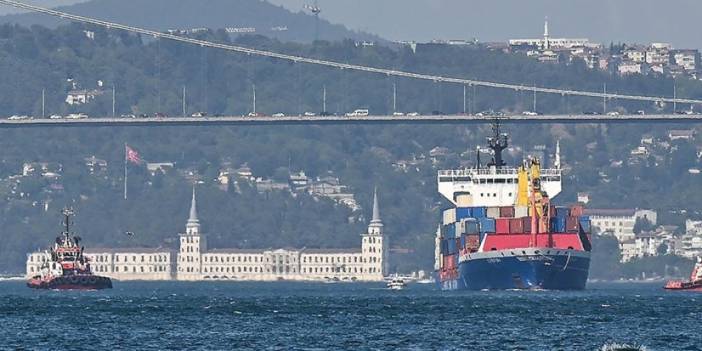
[319, 120]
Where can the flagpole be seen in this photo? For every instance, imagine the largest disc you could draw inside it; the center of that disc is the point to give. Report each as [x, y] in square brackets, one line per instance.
[125, 171]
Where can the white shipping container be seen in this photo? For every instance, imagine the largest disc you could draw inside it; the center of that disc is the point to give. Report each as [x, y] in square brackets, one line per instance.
[521, 211]
[449, 216]
[493, 212]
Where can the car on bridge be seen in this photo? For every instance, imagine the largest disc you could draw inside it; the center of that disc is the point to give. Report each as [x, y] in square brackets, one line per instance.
[530, 113]
[55, 117]
[160, 115]
[77, 116]
[199, 114]
[398, 114]
[310, 114]
[358, 113]
[256, 114]
[278, 115]
[128, 115]
[18, 117]
[413, 114]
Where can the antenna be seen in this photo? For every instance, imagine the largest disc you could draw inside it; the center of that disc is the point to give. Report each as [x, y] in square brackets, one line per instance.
[315, 9]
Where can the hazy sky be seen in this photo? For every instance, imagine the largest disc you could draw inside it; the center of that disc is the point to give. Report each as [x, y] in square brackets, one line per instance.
[643, 21]
[675, 21]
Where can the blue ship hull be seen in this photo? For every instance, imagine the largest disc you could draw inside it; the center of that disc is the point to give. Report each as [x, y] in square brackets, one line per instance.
[496, 271]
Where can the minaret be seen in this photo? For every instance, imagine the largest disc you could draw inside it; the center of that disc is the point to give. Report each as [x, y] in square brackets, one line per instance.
[193, 225]
[374, 246]
[376, 224]
[192, 245]
[557, 162]
[547, 45]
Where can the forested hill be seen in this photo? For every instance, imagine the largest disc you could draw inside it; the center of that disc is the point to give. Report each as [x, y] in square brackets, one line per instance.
[266, 18]
[149, 77]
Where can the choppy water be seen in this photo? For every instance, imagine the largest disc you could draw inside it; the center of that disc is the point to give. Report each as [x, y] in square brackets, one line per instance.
[225, 316]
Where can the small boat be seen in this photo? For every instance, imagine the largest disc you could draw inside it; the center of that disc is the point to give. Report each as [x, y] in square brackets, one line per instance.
[66, 268]
[396, 283]
[695, 282]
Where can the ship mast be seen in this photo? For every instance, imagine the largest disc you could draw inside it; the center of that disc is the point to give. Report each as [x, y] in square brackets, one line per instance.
[67, 214]
[497, 143]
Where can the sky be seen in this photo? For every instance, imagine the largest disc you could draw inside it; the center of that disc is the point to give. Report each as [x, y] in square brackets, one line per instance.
[641, 21]
[604, 21]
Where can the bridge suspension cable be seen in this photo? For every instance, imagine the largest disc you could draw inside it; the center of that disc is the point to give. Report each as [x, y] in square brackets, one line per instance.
[340, 65]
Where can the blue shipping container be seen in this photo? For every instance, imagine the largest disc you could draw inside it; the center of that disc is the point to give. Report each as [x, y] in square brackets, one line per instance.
[444, 247]
[558, 224]
[487, 225]
[585, 225]
[462, 213]
[463, 241]
[452, 247]
[562, 212]
[479, 212]
[449, 231]
[471, 226]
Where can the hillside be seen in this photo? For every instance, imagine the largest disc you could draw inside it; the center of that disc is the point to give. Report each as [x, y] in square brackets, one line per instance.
[267, 19]
[400, 159]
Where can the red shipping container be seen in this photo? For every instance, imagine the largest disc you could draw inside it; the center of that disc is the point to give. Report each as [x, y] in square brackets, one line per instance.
[507, 212]
[576, 211]
[449, 262]
[502, 225]
[571, 224]
[516, 226]
[526, 224]
[472, 242]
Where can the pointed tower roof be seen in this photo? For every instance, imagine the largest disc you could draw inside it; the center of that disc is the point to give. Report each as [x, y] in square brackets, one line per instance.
[557, 162]
[376, 221]
[193, 221]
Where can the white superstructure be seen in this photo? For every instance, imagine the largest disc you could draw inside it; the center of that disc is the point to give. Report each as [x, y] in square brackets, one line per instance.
[493, 185]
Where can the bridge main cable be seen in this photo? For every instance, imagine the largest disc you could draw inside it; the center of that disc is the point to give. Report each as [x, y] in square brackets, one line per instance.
[396, 73]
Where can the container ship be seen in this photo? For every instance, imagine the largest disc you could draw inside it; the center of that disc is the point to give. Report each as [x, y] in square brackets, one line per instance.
[66, 268]
[502, 231]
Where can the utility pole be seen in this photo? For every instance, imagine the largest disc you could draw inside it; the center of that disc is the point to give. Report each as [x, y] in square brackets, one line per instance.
[534, 103]
[254, 98]
[604, 99]
[675, 96]
[185, 114]
[394, 98]
[113, 101]
[464, 99]
[43, 103]
[474, 104]
[324, 99]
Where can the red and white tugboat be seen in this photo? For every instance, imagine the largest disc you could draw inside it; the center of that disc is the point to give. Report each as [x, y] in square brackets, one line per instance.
[695, 282]
[68, 268]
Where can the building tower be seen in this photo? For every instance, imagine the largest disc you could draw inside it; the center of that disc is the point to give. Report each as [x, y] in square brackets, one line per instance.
[547, 44]
[192, 245]
[374, 246]
[557, 162]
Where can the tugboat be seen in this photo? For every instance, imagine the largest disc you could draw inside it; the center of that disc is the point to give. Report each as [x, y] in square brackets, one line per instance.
[67, 268]
[695, 282]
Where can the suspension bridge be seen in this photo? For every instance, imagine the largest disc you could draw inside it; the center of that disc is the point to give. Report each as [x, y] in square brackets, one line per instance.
[575, 118]
[355, 120]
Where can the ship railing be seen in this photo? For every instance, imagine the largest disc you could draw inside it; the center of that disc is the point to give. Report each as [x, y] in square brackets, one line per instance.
[469, 172]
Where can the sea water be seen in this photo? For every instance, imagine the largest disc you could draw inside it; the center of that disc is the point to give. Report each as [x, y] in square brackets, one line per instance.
[345, 316]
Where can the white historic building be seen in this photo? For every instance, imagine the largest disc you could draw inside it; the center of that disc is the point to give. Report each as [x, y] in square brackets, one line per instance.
[194, 261]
